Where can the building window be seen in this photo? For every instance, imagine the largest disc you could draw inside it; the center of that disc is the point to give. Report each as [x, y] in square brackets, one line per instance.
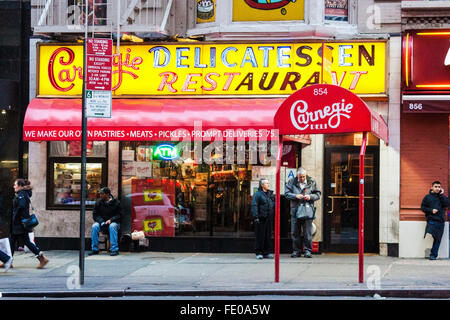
[168, 195]
[96, 12]
[64, 173]
[266, 10]
[336, 10]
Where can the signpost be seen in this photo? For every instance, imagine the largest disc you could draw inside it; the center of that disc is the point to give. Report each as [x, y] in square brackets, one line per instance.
[97, 101]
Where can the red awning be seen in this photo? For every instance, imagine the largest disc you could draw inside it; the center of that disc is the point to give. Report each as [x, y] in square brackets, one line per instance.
[327, 109]
[151, 119]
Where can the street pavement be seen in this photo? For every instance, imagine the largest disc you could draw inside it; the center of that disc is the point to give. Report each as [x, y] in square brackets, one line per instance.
[135, 274]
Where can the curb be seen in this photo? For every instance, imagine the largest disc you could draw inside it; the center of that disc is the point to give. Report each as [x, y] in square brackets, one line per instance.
[393, 293]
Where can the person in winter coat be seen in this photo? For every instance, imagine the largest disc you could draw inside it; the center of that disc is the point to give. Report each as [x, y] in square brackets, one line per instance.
[21, 210]
[263, 208]
[433, 205]
[106, 214]
[7, 260]
[300, 189]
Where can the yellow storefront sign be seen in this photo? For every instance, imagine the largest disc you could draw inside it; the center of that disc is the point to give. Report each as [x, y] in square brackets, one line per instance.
[153, 225]
[219, 69]
[152, 195]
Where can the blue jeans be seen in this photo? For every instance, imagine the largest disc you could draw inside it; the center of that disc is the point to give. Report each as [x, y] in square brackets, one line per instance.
[4, 257]
[25, 239]
[113, 236]
[435, 247]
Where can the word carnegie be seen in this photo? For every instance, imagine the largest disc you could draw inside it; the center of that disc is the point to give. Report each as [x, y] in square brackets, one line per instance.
[302, 119]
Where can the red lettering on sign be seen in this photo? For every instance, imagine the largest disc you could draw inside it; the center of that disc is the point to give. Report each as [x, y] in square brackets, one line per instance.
[50, 69]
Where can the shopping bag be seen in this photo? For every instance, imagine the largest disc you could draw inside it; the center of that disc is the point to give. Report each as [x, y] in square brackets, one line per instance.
[137, 235]
[5, 246]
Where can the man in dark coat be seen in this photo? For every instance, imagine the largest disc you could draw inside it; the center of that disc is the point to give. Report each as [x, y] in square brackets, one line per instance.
[106, 214]
[263, 208]
[433, 205]
[300, 189]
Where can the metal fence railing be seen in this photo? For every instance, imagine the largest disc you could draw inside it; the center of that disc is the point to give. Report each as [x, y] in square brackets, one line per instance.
[68, 16]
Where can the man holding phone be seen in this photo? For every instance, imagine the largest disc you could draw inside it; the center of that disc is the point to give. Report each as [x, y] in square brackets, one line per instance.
[433, 205]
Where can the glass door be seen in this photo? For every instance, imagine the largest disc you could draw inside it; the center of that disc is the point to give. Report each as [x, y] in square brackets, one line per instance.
[341, 192]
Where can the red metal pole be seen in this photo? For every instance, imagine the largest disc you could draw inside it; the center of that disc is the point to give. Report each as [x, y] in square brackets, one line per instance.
[277, 212]
[361, 207]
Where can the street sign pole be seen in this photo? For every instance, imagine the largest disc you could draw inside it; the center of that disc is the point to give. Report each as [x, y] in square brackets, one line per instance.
[83, 157]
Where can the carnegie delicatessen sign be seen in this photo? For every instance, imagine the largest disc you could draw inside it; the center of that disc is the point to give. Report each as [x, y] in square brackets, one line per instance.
[218, 69]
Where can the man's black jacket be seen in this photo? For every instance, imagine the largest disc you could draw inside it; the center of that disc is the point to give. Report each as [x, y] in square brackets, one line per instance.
[107, 210]
[263, 204]
[434, 201]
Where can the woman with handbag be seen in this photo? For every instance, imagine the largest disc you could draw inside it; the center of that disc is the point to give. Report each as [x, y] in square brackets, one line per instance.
[21, 212]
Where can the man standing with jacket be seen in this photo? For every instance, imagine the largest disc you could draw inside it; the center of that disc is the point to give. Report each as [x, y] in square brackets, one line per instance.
[300, 189]
[433, 205]
[263, 208]
[107, 213]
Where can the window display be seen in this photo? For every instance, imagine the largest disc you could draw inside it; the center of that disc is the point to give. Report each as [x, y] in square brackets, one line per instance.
[67, 183]
[64, 173]
[336, 10]
[168, 198]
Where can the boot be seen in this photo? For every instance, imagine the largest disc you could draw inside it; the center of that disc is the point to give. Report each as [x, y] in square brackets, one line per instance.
[42, 261]
[2, 265]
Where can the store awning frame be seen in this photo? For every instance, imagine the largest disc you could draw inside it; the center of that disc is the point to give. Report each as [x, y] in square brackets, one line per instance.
[326, 109]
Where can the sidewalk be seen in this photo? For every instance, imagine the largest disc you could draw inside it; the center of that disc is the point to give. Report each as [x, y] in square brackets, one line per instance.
[162, 273]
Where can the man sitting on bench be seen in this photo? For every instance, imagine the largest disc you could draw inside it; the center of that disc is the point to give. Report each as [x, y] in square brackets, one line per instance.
[107, 219]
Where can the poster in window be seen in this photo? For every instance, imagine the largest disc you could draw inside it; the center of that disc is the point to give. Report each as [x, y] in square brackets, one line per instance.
[143, 169]
[127, 155]
[336, 10]
[129, 168]
[268, 10]
[206, 11]
[75, 148]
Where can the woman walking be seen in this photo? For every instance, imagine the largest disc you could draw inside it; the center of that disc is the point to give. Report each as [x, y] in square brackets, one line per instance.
[21, 210]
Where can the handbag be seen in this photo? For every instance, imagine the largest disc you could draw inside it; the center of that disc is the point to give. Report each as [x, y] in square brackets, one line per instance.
[305, 211]
[30, 223]
[137, 235]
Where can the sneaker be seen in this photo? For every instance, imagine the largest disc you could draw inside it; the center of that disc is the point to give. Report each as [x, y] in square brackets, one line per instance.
[268, 256]
[308, 254]
[7, 264]
[114, 253]
[295, 254]
[433, 258]
[93, 253]
[259, 256]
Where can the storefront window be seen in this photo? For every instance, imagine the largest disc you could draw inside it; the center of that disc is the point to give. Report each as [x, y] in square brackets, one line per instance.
[64, 173]
[167, 196]
[336, 10]
[350, 139]
[96, 12]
